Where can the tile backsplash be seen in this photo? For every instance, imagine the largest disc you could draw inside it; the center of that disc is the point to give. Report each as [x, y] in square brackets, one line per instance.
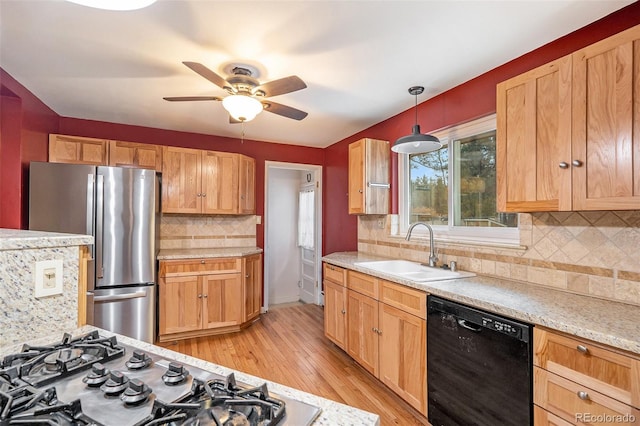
[590, 253]
[192, 231]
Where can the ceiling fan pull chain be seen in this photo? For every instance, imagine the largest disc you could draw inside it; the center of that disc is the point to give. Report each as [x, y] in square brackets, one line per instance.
[242, 134]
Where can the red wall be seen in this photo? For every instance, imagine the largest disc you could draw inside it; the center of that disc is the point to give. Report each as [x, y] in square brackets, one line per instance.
[470, 100]
[24, 134]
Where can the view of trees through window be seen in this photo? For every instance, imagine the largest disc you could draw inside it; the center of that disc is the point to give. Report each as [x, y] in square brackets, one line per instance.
[474, 184]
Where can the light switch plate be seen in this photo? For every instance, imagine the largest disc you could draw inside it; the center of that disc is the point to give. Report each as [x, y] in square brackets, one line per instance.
[48, 278]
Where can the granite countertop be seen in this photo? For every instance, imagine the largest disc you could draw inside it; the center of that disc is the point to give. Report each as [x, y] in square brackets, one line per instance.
[332, 413]
[197, 253]
[18, 239]
[608, 322]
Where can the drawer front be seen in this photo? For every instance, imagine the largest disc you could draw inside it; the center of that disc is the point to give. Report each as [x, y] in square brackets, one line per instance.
[578, 404]
[335, 273]
[544, 418]
[612, 373]
[187, 267]
[404, 298]
[362, 283]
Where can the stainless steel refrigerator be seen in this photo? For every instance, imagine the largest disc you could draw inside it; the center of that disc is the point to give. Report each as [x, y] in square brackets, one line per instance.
[120, 207]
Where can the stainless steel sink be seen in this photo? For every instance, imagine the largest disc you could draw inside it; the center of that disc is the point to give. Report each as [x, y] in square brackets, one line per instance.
[413, 271]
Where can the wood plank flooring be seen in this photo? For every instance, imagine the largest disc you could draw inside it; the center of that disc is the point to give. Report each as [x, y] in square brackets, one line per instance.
[287, 346]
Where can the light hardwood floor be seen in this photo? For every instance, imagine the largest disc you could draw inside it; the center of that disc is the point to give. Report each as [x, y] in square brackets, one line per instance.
[287, 346]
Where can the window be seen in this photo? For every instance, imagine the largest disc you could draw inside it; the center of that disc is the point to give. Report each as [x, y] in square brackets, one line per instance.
[454, 188]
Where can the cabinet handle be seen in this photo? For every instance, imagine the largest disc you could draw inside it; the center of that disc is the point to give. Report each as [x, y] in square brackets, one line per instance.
[583, 395]
[576, 163]
[563, 165]
[582, 349]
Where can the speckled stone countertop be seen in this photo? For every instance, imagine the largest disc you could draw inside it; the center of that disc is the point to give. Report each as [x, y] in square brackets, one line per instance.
[333, 413]
[18, 239]
[176, 254]
[612, 323]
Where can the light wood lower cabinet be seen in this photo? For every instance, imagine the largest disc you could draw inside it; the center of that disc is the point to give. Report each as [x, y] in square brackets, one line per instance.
[206, 296]
[582, 382]
[381, 325]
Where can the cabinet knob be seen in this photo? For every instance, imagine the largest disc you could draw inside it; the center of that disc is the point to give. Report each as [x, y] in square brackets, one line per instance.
[576, 163]
[199, 194]
[563, 165]
[360, 191]
[199, 296]
[582, 349]
[343, 312]
[583, 395]
[202, 261]
[206, 295]
[247, 276]
[204, 194]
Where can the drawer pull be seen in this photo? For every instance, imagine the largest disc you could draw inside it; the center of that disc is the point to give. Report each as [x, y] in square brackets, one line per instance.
[583, 395]
[582, 349]
[202, 261]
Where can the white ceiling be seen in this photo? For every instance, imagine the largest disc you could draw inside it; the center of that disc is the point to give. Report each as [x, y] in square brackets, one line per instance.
[358, 58]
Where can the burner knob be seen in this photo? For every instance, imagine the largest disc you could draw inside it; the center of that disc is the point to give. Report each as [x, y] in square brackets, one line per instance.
[138, 361]
[175, 375]
[136, 393]
[117, 383]
[98, 375]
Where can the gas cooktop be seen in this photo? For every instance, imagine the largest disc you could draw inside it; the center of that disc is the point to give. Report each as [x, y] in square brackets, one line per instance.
[95, 380]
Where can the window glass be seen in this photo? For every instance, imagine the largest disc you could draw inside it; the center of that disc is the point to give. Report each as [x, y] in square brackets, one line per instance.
[454, 188]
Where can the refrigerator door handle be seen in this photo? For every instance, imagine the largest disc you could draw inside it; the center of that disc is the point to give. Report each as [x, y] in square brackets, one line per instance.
[136, 295]
[99, 227]
[90, 212]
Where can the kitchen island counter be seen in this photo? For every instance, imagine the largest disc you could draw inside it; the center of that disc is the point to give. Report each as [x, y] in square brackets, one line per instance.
[608, 322]
[202, 253]
[332, 413]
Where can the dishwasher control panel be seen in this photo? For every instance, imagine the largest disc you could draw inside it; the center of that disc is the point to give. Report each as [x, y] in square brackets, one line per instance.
[500, 326]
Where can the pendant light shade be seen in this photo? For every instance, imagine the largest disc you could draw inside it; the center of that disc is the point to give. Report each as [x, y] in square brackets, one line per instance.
[416, 142]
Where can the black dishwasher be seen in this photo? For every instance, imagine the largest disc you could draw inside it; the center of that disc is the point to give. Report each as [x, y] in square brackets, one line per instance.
[479, 367]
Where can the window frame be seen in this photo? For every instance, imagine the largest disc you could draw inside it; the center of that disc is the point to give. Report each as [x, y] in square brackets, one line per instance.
[450, 232]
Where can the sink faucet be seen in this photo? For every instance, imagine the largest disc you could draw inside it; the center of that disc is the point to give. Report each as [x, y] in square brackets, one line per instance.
[433, 259]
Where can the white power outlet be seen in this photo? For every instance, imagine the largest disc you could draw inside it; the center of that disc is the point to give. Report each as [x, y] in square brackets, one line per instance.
[48, 278]
[381, 223]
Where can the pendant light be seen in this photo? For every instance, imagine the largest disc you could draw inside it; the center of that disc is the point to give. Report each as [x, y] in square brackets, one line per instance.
[416, 142]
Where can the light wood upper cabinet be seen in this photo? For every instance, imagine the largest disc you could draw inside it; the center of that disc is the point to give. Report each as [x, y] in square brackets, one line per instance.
[533, 138]
[606, 123]
[369, 177]
[247, 185]
[78, 150]
[181, 180]
[219, 182]
[132, 154]
[568, 133]
[206, 182]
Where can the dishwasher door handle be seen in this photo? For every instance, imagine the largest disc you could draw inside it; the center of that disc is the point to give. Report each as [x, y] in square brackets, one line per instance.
[469, 326]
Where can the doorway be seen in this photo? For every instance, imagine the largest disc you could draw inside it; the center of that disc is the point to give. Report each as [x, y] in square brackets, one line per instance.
[293, 233]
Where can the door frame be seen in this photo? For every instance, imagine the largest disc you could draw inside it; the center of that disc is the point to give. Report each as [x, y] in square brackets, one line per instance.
[318, 241]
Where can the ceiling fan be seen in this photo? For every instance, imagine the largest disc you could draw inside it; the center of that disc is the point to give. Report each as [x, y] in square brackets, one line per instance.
[247, 96]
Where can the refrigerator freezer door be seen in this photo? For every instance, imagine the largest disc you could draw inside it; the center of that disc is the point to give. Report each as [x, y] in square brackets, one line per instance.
[129, 311]
[125, 226]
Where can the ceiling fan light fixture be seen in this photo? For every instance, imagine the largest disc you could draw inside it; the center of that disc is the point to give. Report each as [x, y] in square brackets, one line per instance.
[416, 142]
[242, 107]
[115, 4]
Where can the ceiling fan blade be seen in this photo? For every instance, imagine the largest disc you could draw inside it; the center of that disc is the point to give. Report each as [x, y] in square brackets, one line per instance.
[191, 98]
[281, 86]
[209, 75]
[283, 110]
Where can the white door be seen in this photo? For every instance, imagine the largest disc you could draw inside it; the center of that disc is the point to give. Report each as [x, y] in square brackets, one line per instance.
[307, 242]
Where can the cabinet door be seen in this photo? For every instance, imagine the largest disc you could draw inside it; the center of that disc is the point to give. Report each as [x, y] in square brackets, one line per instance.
[403, 357]
[544, 418]
[606, 125]
[335, 314]
[362, 330]
[132, 154]
[252, 286]
[356, 177]
[179, 304]
[78, 150]
[533, 114]
[222, 300]
[247, 185]
[219, 182]
[181, 172]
